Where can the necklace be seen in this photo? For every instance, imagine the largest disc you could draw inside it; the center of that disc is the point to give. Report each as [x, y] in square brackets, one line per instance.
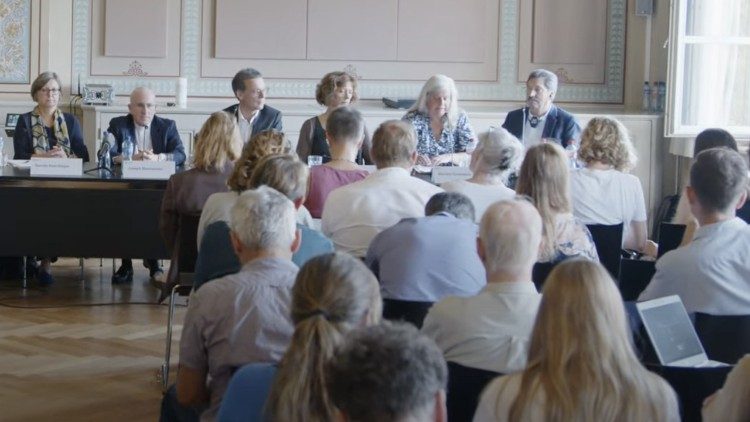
[343, 159]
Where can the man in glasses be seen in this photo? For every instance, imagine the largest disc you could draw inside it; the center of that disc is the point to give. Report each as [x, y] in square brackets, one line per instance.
[252, 113]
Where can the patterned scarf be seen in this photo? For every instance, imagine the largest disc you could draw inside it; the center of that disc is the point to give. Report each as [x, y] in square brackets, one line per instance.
[39, 135]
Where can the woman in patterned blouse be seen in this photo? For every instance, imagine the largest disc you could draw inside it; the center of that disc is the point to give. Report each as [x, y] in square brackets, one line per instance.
[443, 130]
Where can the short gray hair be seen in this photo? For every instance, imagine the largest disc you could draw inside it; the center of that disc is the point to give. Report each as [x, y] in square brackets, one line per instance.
[718, 177]
[511, 232]
[549, 78]
[345, 124]
[393, 144]
[454, 203]
[238, 82]
[497, 152]
[283, 172]
[264, 219]
[386, 372]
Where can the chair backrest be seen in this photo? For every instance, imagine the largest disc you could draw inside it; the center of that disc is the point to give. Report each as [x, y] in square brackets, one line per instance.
[608, 242]
[540, 272]
[664, 214]
[405, 310]
[465, 384]
[670, 237]
[726, 338]
[692, 386]
[187, 238]
[247, 392]
[635, 274]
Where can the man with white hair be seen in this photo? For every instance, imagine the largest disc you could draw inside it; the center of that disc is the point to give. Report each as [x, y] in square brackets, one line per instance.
[243, 317]
[492, 329]
[541, 119]
[354, 214]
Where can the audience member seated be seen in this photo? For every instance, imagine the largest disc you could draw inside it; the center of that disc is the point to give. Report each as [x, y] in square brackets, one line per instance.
[243, 317]
[388, 372]
[287, 175]
[333, 294]
[498, 156]
[251, 114]
[217, 146]
[344, 135]
[424, 259]
[581, 364]
[541, 119]
[730, 403]
[711, 274]
[47, 132]
[443, 130]
[544, 179]
[336, 89]
[354, 214]
[603, 192]
[217, 206]
[491, 330]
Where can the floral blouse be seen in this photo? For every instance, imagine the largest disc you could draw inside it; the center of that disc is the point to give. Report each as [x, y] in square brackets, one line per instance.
[573, 240]
[453, 139]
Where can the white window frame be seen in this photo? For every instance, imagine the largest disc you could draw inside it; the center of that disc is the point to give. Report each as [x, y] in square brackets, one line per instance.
[678, 40]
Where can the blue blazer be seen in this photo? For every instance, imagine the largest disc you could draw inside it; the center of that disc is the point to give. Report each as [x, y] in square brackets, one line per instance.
[164, 136]
[559, 125]
[268, 118]
[23, 142]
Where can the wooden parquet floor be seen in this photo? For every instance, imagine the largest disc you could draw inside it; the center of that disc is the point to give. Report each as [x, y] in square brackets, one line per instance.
[83, 350]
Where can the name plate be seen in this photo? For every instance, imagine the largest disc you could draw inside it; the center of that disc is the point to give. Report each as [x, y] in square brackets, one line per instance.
[442, 174]
[147, 169]
[56, 166]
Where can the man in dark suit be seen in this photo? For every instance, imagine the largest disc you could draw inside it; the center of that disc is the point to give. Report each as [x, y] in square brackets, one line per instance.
[541, 119]
[252, 113]
[153, 138]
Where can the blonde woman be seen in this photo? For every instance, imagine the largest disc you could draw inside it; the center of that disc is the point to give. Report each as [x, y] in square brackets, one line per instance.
[730, 403]
[581, 367]
[603, 192]
[498, 154]
[544, 179]
[217, 206]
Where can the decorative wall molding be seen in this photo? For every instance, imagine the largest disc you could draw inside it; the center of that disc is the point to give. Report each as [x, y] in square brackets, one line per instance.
[15, 41]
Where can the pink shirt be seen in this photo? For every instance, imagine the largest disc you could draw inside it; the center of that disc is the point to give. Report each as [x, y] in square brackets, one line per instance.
[323, 180]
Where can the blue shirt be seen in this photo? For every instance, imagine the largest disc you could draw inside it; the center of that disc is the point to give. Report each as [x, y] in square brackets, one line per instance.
[425, 259]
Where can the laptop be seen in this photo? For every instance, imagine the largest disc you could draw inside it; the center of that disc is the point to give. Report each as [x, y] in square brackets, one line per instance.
[672, 334]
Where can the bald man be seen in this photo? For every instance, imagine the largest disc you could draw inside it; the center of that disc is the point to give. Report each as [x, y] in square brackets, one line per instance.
[152, 136]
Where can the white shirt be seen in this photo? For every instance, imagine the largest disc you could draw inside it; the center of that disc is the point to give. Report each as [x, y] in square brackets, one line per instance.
[489, 331]
[482, 196]
[143, 137]
[607, 197]
[246, 125]
[353, 214]
[711, 274]
[532, 135]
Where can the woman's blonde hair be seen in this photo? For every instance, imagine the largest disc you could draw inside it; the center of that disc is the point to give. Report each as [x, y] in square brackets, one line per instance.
[332, 295]
[581, 358]
[261, 144]
[434, 84]
[606, 140]
[283, 172]
[544, 179]
[217, 142]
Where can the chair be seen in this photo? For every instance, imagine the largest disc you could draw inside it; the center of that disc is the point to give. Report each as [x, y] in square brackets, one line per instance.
[465, 384]
[726, 338]
[179, 278]
[539, 273]
[692, 386]
[635, 274]
[247, 393]
[608, 242]
[670, 237]
[405, 310]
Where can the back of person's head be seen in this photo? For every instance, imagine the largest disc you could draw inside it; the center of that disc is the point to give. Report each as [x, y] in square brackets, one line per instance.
[718, 178]
[498, 152]
[581, 358]
[393, 144]
[283, 172]
[713, 138]
[544, 179]
[388, 372]
[345, 124]
[454, 203]
[510, 233]
[260, 145]
[264, 219]
[605, 140]
[333, 294]
[217, 142]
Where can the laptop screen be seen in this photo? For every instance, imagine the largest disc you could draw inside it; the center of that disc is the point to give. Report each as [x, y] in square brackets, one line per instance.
[671, 331]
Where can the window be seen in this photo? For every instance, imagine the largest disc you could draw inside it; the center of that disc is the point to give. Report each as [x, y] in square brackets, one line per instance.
[709, 67]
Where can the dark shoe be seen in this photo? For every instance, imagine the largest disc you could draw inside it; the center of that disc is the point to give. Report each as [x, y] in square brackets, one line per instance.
[44, 278]
[157, 276]
[124, 274]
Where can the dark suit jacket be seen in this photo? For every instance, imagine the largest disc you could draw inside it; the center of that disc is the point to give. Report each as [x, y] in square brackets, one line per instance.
[559, 125]
[164, 136]
[268, 118]
[23, 142]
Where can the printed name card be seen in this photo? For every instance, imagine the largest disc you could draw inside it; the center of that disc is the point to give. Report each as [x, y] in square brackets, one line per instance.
[442, 174]
[56, 166]
[147, 169]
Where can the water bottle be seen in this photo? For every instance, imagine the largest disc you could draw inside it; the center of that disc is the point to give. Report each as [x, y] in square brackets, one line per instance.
[654, 97]
[662, 96]
[646, 105]
[127, 149]
[572, 152]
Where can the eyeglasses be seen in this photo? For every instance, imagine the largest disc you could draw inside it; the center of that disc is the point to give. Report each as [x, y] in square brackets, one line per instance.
[258, 92]
[51, 91]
